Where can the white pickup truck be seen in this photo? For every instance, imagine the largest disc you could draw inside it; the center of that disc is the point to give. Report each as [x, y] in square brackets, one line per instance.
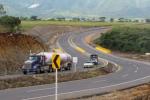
[88, 64]
[92, 62]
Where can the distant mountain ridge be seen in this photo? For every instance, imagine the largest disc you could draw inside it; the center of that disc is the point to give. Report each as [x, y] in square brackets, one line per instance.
[78, 8]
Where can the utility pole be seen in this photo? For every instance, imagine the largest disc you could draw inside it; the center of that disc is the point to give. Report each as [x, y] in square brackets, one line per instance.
[56, 84]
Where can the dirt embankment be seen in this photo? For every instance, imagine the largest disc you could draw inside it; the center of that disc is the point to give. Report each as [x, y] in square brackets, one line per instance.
[14, 49]
[49, 34]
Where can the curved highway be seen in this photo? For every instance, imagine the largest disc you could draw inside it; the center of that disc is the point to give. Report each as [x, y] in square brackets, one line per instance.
[132, 73]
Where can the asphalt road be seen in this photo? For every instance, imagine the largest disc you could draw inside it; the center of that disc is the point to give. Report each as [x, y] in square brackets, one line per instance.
[132, 73]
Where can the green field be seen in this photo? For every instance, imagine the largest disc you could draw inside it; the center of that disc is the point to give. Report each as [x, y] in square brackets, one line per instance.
[30, 24]
[26, 25]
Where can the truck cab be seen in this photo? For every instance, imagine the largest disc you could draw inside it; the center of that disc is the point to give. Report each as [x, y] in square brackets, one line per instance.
[34, 64]
[94, 59]
[42, 62]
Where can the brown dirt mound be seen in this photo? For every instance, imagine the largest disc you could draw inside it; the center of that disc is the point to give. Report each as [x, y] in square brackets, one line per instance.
[14, 49]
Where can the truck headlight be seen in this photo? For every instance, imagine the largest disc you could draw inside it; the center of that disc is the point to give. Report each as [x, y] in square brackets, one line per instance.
[34, 67]
[23, 67]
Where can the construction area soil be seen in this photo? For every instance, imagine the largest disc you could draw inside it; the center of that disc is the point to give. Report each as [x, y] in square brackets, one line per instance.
[15, 48]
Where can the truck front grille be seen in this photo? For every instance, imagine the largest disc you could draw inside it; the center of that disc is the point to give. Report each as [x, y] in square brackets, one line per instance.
[28, 66]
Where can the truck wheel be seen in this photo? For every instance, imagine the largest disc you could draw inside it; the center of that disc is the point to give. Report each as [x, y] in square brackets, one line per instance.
[63, 69]
[38, 71]
[50, 70]
[60, 70]
[25, 72]
[69, 67]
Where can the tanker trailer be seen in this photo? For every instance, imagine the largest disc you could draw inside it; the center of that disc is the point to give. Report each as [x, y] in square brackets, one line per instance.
[42, 62]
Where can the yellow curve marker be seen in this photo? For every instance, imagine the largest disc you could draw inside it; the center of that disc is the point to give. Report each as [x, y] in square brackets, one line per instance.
[56, 60]
[104, 50]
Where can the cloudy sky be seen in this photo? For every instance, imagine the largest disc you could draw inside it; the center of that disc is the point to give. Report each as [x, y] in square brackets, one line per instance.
[52, 8]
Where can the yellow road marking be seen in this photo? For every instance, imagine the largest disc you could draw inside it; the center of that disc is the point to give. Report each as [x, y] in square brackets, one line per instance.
[58, 50]
[80, 49]
[104, 50]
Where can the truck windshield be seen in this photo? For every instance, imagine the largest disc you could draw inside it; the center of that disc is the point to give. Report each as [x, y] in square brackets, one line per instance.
[33, 58]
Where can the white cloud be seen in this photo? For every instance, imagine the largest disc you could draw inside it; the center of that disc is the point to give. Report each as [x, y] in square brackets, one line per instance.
[34, 6]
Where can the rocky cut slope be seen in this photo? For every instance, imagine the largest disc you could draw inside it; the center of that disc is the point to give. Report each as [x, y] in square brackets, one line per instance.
[14, 49]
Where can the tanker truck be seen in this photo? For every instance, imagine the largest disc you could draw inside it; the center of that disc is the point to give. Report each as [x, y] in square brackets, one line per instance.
[42, 62]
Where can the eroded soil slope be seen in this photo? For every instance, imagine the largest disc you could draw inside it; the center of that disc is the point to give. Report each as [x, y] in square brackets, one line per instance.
[14, 49]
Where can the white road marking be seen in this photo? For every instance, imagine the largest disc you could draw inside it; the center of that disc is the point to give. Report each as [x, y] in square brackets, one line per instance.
[100, 81]
[125, 75]
[40, 97]
[30, 91]
[137, 68]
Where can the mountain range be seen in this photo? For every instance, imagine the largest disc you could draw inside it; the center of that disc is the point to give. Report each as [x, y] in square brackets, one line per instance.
[78, 8]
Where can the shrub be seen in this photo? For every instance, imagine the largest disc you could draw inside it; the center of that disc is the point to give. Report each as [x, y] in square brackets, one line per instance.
[126, 39]
[11, 22]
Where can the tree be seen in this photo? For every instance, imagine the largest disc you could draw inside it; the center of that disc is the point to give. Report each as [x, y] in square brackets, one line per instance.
[2, 10]
[102, 19]
[10, 22]
[24, 18]
[121, 19]
[75, 19]
[52, 19]
[126, 39]
[148, 20]
[111, 19]
[34, 17]
[61, 18]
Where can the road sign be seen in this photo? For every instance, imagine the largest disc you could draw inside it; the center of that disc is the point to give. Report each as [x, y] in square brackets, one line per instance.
[56, 60]
[56, 85]
[75, 60]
